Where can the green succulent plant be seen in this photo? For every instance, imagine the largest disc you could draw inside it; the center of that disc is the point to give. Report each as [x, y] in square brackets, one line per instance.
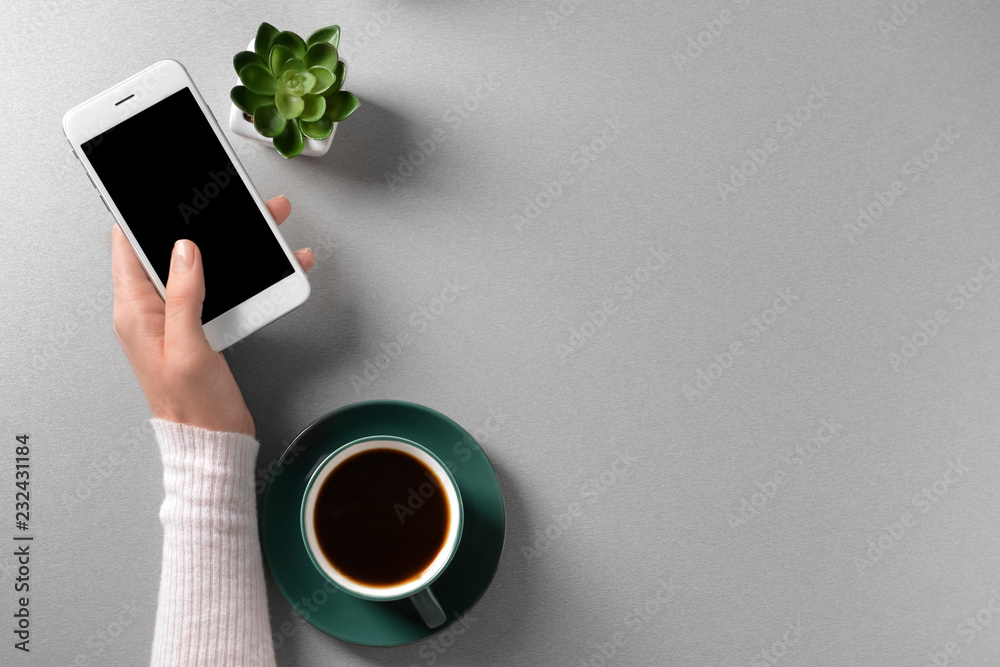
[292, 87]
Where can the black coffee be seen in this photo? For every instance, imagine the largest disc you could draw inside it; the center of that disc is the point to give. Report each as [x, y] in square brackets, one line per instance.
[381, 517]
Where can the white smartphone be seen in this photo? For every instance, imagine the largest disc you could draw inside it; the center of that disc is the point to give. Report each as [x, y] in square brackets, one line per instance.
[162, 166]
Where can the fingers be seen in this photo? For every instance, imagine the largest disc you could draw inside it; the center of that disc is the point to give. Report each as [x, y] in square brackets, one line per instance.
[306, 258]
[128, 277]
[279, 207]
[185, 296]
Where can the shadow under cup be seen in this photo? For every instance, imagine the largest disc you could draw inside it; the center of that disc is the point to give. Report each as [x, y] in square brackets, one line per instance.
[358, 505]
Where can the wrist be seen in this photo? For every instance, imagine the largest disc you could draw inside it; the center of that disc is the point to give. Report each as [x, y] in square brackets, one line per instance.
[221, 422]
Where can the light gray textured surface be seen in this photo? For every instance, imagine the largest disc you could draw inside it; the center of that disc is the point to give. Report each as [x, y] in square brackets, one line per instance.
[563, 71]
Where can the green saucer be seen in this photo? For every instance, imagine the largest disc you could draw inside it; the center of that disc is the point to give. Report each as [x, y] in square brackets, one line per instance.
[461, 585]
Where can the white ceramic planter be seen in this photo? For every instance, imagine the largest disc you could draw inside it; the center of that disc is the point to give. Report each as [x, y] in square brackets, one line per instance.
[239, 124]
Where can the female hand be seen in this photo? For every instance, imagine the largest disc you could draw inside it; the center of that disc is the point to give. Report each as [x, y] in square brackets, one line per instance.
[183, 379]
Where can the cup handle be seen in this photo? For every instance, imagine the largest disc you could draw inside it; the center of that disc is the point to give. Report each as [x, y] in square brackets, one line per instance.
[428, 607]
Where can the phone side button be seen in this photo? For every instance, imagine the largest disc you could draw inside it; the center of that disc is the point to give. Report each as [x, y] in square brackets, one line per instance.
[105, 203]
[91, 181]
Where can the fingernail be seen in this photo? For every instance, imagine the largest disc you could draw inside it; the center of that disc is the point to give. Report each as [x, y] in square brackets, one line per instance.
[285, 198]
[183, 258]
[303, 251]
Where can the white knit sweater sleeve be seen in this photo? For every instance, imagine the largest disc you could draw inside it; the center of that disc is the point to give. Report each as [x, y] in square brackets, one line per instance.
[212, 607]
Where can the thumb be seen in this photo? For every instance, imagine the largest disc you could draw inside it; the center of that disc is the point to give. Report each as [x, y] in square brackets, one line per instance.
[185, 296]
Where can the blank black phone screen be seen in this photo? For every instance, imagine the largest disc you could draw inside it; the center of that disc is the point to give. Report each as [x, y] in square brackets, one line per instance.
[171, 179]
